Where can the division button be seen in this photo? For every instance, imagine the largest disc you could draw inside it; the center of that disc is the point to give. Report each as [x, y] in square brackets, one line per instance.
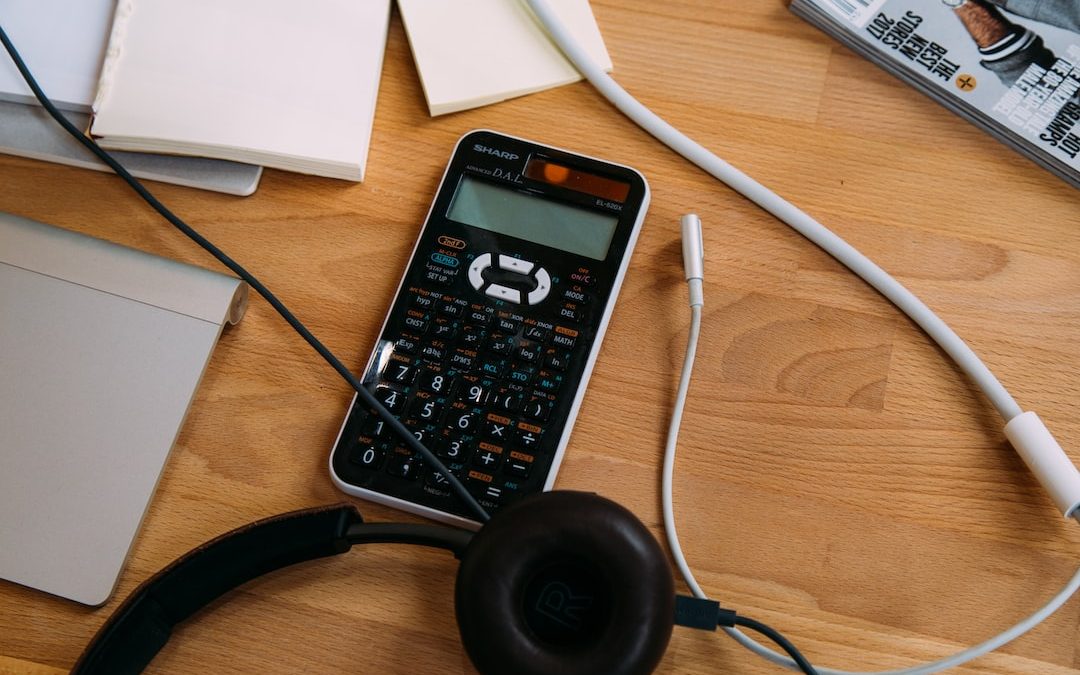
[505, 293]
[476, 270]
[543, 287]
[515, 264]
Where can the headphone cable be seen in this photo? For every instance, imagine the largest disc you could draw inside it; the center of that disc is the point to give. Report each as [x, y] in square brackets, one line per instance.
[366, 396]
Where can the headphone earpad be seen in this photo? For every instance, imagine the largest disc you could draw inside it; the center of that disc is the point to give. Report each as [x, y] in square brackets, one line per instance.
[568, 583]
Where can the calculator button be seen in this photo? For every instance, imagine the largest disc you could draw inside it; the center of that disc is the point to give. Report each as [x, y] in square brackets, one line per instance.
[437, 481]
[565, 338]
[476, 270]
[543, 287]
[497, 429]
[529, 352]
[406, 344]
[422, 435]
[444, 330]
[500, 345]
[423, 302]
[492, 368]
[515, 264]
[527, 436]
[463, 359]
[583, 277]
[374, 426]
[479, 316]
[425, 408]
[505, 325]
[570, 313]
[392, 399]
[548, 383]
[451, 309]
[538, 408]
[399, 372]
[472, 392]
[368, 456]
[435, 381]
[501, 292]
[438, 275]
[463, 422]
[453, 448]
[403, 466]
[518, 464]
[488, 457]
[478, 481]
[507, 401]
[433, 351]
[471, 337]
[557, 360]
[537, 333]
[416, 323]
[576, 295]
[520, 376]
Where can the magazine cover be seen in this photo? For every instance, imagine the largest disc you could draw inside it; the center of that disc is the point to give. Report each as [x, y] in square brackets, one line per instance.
[1012, 66]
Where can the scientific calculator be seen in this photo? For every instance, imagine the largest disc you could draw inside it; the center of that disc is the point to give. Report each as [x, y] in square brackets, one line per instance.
[491, 338]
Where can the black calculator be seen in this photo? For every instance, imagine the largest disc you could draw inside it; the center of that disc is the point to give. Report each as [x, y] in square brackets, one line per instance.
[496, 325]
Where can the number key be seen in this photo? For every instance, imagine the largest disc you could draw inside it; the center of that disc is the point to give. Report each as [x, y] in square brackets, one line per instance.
[368, 456]
[435, 381]
[401, 373]
[473, 393]
[453, 448]
[425, 408]
[392, 399]
[462, 421]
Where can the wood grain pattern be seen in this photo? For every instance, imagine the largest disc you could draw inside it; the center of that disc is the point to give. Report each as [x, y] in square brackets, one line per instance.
[836, 478]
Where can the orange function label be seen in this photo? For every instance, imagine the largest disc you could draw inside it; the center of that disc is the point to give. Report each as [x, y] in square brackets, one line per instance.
[451, 242]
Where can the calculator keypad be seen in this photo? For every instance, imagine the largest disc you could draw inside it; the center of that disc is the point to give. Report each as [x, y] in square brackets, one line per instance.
[478, 384]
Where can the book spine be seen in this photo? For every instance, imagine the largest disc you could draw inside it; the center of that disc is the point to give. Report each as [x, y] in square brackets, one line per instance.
[113, 51]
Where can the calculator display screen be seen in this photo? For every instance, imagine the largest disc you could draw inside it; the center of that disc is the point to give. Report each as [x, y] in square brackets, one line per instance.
[541, 221]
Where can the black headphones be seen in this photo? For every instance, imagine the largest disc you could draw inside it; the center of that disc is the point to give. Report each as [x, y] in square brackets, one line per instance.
[558, 582]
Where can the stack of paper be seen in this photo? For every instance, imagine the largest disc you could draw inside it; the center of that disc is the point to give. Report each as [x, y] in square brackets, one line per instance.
[475, 52]
[63, 43]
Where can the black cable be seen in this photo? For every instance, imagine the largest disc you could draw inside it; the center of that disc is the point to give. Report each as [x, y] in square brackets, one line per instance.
[779, 639]
[367, 397]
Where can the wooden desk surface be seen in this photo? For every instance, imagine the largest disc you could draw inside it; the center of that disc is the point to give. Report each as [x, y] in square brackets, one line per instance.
[837, 478]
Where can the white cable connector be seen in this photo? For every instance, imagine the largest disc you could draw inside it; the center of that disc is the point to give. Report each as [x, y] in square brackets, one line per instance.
[693, 256]
[1044, 456]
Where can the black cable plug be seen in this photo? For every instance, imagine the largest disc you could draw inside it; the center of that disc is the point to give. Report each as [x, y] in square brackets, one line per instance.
[705, 614]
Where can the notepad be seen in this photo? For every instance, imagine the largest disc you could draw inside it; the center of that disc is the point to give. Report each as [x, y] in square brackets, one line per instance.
[471, 53]
[284, 84]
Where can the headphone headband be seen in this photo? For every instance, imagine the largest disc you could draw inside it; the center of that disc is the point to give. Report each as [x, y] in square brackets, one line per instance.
[142, 625]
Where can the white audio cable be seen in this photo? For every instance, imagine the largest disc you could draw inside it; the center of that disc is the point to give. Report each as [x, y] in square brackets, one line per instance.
[1028, 435]
[693, 264]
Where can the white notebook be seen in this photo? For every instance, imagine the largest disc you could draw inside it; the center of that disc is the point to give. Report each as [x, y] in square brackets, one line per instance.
[280, 83]
[474, 52]
[62, 42]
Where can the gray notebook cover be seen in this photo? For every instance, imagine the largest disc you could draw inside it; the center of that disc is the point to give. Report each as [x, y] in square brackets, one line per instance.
[28, 131]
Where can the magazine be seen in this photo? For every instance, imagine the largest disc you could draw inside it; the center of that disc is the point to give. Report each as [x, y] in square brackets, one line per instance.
[1010, 66]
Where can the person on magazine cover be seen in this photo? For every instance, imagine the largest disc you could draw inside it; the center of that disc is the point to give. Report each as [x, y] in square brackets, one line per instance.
[1008, 49]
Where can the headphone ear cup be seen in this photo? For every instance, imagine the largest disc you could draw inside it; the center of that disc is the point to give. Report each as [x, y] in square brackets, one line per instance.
[568, 583]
